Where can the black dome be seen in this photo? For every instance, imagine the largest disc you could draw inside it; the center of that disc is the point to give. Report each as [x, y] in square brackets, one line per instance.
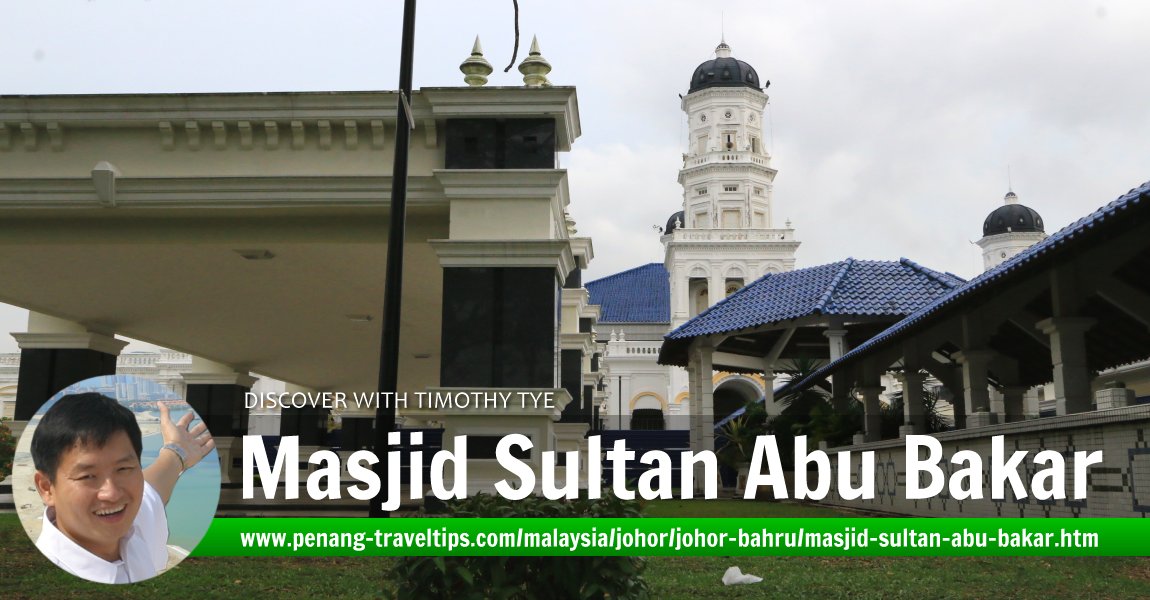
[724, 72]
[675, 218]
[1012, 218]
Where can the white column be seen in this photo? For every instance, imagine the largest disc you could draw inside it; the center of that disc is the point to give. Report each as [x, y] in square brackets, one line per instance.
[836, 337]
[769, 389]
[1068, 355]
[692, 398]
[55, 353]
[624, 406]
[680, 297]
[837, 342]
[716, 288]
[705, 413]
[707, 399]
[696, 376]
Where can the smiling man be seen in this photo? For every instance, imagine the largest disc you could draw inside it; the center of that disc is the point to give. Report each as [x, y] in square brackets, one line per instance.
[104, 517]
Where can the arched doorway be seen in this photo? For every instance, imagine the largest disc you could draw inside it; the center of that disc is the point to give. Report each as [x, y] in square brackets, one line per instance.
[732, 394]
[647, 412]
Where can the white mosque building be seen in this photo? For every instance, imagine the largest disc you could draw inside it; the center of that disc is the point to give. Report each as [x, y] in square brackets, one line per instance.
[723, 237]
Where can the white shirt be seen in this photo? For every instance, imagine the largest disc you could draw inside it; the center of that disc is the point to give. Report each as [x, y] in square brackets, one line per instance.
[143, 551]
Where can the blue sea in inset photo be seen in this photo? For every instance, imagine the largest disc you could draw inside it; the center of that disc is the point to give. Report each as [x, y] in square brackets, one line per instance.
[199, 487]
[195, 497]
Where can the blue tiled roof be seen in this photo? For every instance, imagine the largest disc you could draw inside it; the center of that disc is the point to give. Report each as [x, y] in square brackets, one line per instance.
[848, 287]
[639, 295]
[1068, 237]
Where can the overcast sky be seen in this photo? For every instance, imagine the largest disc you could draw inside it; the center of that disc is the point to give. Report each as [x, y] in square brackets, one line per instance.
[893, 122]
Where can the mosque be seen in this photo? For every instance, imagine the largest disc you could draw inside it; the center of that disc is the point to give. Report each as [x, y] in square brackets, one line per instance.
[722, 238]
[245, 231]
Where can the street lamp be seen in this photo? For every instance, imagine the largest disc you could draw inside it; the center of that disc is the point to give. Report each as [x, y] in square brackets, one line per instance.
[393, 282]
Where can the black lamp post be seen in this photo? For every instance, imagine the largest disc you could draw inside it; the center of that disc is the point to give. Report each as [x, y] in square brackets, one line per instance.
[393, 282]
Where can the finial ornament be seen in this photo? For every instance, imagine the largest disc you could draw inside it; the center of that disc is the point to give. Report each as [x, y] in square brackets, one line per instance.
[723, 50]
[535, 68]
[476, 68]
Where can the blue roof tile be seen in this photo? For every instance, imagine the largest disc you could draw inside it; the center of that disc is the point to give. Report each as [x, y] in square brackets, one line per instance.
[639, 295]
[848, 287]
[1069, 236]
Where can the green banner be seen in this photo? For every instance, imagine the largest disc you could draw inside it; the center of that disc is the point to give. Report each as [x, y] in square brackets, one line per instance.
[676, 537]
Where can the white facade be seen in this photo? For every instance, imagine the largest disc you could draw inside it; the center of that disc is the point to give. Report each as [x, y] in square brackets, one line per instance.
[723, 239]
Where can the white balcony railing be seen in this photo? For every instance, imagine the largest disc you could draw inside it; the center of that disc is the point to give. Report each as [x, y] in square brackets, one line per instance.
[726, 235]
[725, 157]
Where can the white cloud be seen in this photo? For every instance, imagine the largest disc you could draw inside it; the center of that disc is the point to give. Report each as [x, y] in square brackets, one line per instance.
[894, 121]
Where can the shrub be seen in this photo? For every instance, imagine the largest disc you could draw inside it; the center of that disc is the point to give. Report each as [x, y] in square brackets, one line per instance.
[525, 577]
[7, 449]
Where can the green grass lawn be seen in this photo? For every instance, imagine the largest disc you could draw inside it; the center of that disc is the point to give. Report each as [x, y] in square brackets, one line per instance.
[24, 573]
[905, 577]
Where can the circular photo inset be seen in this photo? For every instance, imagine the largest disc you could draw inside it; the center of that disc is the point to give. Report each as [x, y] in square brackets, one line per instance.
[116, 479]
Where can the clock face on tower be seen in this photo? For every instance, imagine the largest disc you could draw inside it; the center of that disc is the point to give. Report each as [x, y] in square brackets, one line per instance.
[703, 118]
[727, 115]
[751, 118]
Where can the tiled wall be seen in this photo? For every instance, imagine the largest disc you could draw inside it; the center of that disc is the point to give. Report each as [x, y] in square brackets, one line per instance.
[1117, 487]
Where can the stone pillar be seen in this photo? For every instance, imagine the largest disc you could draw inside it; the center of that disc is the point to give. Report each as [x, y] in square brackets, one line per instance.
[837, 342]
[976, 387]
[216, 392]
[914, 419]
[840, 386]
[484, 428]
[840, 393]
[576, 369]
[310, 424]
[571, 379]
[1068, 355]
[1013, 405]
[948, 375]
[769, 389]
[501, 332]
[716, 288]
[873, 411]
[680, 297]
[706, 399]
[500, 312]
[1031, 401]
[623, 419]
[577, 345]
[958, 407]
[569, 437]
[692, 395]
[701, 382]
[54, 354]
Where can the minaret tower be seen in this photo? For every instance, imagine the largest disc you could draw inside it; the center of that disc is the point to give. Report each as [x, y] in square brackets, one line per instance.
[723, 238]
[1008, 230]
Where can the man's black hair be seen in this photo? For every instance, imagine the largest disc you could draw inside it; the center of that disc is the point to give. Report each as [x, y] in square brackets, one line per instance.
[88, 419]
